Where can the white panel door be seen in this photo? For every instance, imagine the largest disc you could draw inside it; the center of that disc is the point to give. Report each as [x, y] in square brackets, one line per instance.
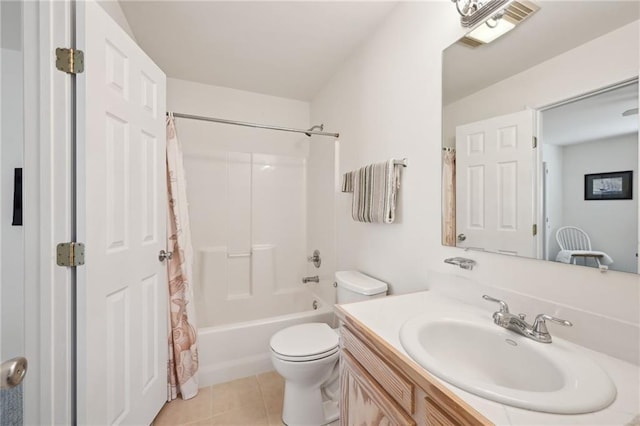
[122, 288]
[495, 184]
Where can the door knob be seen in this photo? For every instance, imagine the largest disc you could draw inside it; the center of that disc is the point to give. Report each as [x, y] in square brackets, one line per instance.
[12, 372]
[462, 237]
[164, 255]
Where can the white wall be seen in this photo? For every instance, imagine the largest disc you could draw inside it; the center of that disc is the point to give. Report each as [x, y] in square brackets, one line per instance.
[253, 189]
[612, 225]
[114, 9]
[386, 102]
[11, 156]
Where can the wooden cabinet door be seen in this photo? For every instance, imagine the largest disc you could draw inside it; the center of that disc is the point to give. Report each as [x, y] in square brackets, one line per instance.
[364, 401]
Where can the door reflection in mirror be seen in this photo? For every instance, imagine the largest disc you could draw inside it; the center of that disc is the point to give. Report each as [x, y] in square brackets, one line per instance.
[514, 204]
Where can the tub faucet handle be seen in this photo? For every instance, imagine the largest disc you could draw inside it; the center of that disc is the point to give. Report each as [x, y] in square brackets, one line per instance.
[315, 258]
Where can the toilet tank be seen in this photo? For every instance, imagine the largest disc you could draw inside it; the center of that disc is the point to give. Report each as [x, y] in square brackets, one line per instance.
[354, 286]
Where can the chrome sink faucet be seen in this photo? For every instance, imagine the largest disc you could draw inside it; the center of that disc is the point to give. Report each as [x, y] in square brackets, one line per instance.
[536, 331]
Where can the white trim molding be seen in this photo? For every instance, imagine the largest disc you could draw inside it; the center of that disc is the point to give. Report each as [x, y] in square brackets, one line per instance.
[48, 215]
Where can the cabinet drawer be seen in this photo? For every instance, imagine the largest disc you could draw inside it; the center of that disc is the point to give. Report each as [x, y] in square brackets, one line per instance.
[363, 401]
[436, 416]
[395, 384]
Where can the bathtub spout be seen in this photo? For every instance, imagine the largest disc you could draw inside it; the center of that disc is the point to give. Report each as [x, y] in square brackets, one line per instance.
[314, 279]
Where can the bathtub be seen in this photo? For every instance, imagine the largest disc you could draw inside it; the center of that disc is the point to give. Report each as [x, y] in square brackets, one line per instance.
[233, 351]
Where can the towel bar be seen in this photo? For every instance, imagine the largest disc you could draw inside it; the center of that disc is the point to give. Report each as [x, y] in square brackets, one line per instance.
[404, 162]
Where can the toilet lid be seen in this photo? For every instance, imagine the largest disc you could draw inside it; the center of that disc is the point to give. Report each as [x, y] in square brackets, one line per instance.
[304, 340]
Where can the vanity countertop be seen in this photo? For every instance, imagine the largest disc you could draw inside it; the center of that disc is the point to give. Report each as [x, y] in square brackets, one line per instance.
[385, 316]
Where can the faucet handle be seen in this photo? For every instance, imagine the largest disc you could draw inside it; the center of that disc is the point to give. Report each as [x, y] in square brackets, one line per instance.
[504, 308]
[540, 325]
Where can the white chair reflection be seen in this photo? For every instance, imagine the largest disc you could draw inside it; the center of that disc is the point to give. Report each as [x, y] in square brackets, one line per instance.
[575, 243]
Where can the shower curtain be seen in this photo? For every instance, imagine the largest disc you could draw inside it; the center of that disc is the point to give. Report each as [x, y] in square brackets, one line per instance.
[183, 351]
[449, 198]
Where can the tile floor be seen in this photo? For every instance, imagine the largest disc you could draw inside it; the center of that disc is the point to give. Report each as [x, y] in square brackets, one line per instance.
[254, 401]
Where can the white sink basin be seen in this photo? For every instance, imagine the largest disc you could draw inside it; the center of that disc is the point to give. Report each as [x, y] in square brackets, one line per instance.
[506, 367]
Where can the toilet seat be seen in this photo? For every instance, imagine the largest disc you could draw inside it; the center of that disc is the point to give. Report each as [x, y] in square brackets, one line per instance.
[305, 342]
[305, 358]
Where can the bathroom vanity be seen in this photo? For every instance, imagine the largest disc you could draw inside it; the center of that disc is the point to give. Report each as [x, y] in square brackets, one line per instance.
[380, 387]
[382, 384]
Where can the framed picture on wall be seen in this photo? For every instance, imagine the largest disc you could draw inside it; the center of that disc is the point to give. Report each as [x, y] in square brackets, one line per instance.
[609, 186]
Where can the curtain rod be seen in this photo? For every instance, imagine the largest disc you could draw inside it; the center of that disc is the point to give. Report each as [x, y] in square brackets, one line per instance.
[258, 126]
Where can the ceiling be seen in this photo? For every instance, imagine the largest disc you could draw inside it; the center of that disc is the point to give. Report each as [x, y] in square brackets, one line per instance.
[286, 49]
[592, 118]
[557, 27]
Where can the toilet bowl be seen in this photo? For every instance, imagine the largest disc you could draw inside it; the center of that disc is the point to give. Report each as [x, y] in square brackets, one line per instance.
[306, 355]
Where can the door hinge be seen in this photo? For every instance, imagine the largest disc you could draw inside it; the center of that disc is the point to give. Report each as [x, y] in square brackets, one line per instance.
[70, 254]
[70, 61]
[535, 142]
[534, 229]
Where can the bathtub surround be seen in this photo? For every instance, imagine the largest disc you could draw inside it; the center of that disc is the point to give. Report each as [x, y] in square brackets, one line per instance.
[307, 166]
[182, 368]
[320, 154]
[260, 202]
[247, 201]
[402, 62]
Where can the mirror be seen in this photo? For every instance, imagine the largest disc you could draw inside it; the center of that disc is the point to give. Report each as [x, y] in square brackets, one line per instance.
[540, 138]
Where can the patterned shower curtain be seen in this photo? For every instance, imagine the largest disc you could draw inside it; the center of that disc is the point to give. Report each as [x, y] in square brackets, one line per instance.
[449, 198]
[183, 351]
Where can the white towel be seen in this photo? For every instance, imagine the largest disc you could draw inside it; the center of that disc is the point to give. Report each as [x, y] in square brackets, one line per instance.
[375, 189]
[566, 256]
[347, 182]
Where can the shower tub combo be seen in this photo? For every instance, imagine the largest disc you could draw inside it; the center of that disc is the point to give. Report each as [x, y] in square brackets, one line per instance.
[248, 214]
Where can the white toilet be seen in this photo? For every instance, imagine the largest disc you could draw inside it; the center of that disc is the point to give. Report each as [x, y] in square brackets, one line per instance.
[306, 355]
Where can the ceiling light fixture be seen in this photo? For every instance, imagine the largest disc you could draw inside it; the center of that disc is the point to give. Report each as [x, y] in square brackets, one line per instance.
[491, 19]
[487, 33]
